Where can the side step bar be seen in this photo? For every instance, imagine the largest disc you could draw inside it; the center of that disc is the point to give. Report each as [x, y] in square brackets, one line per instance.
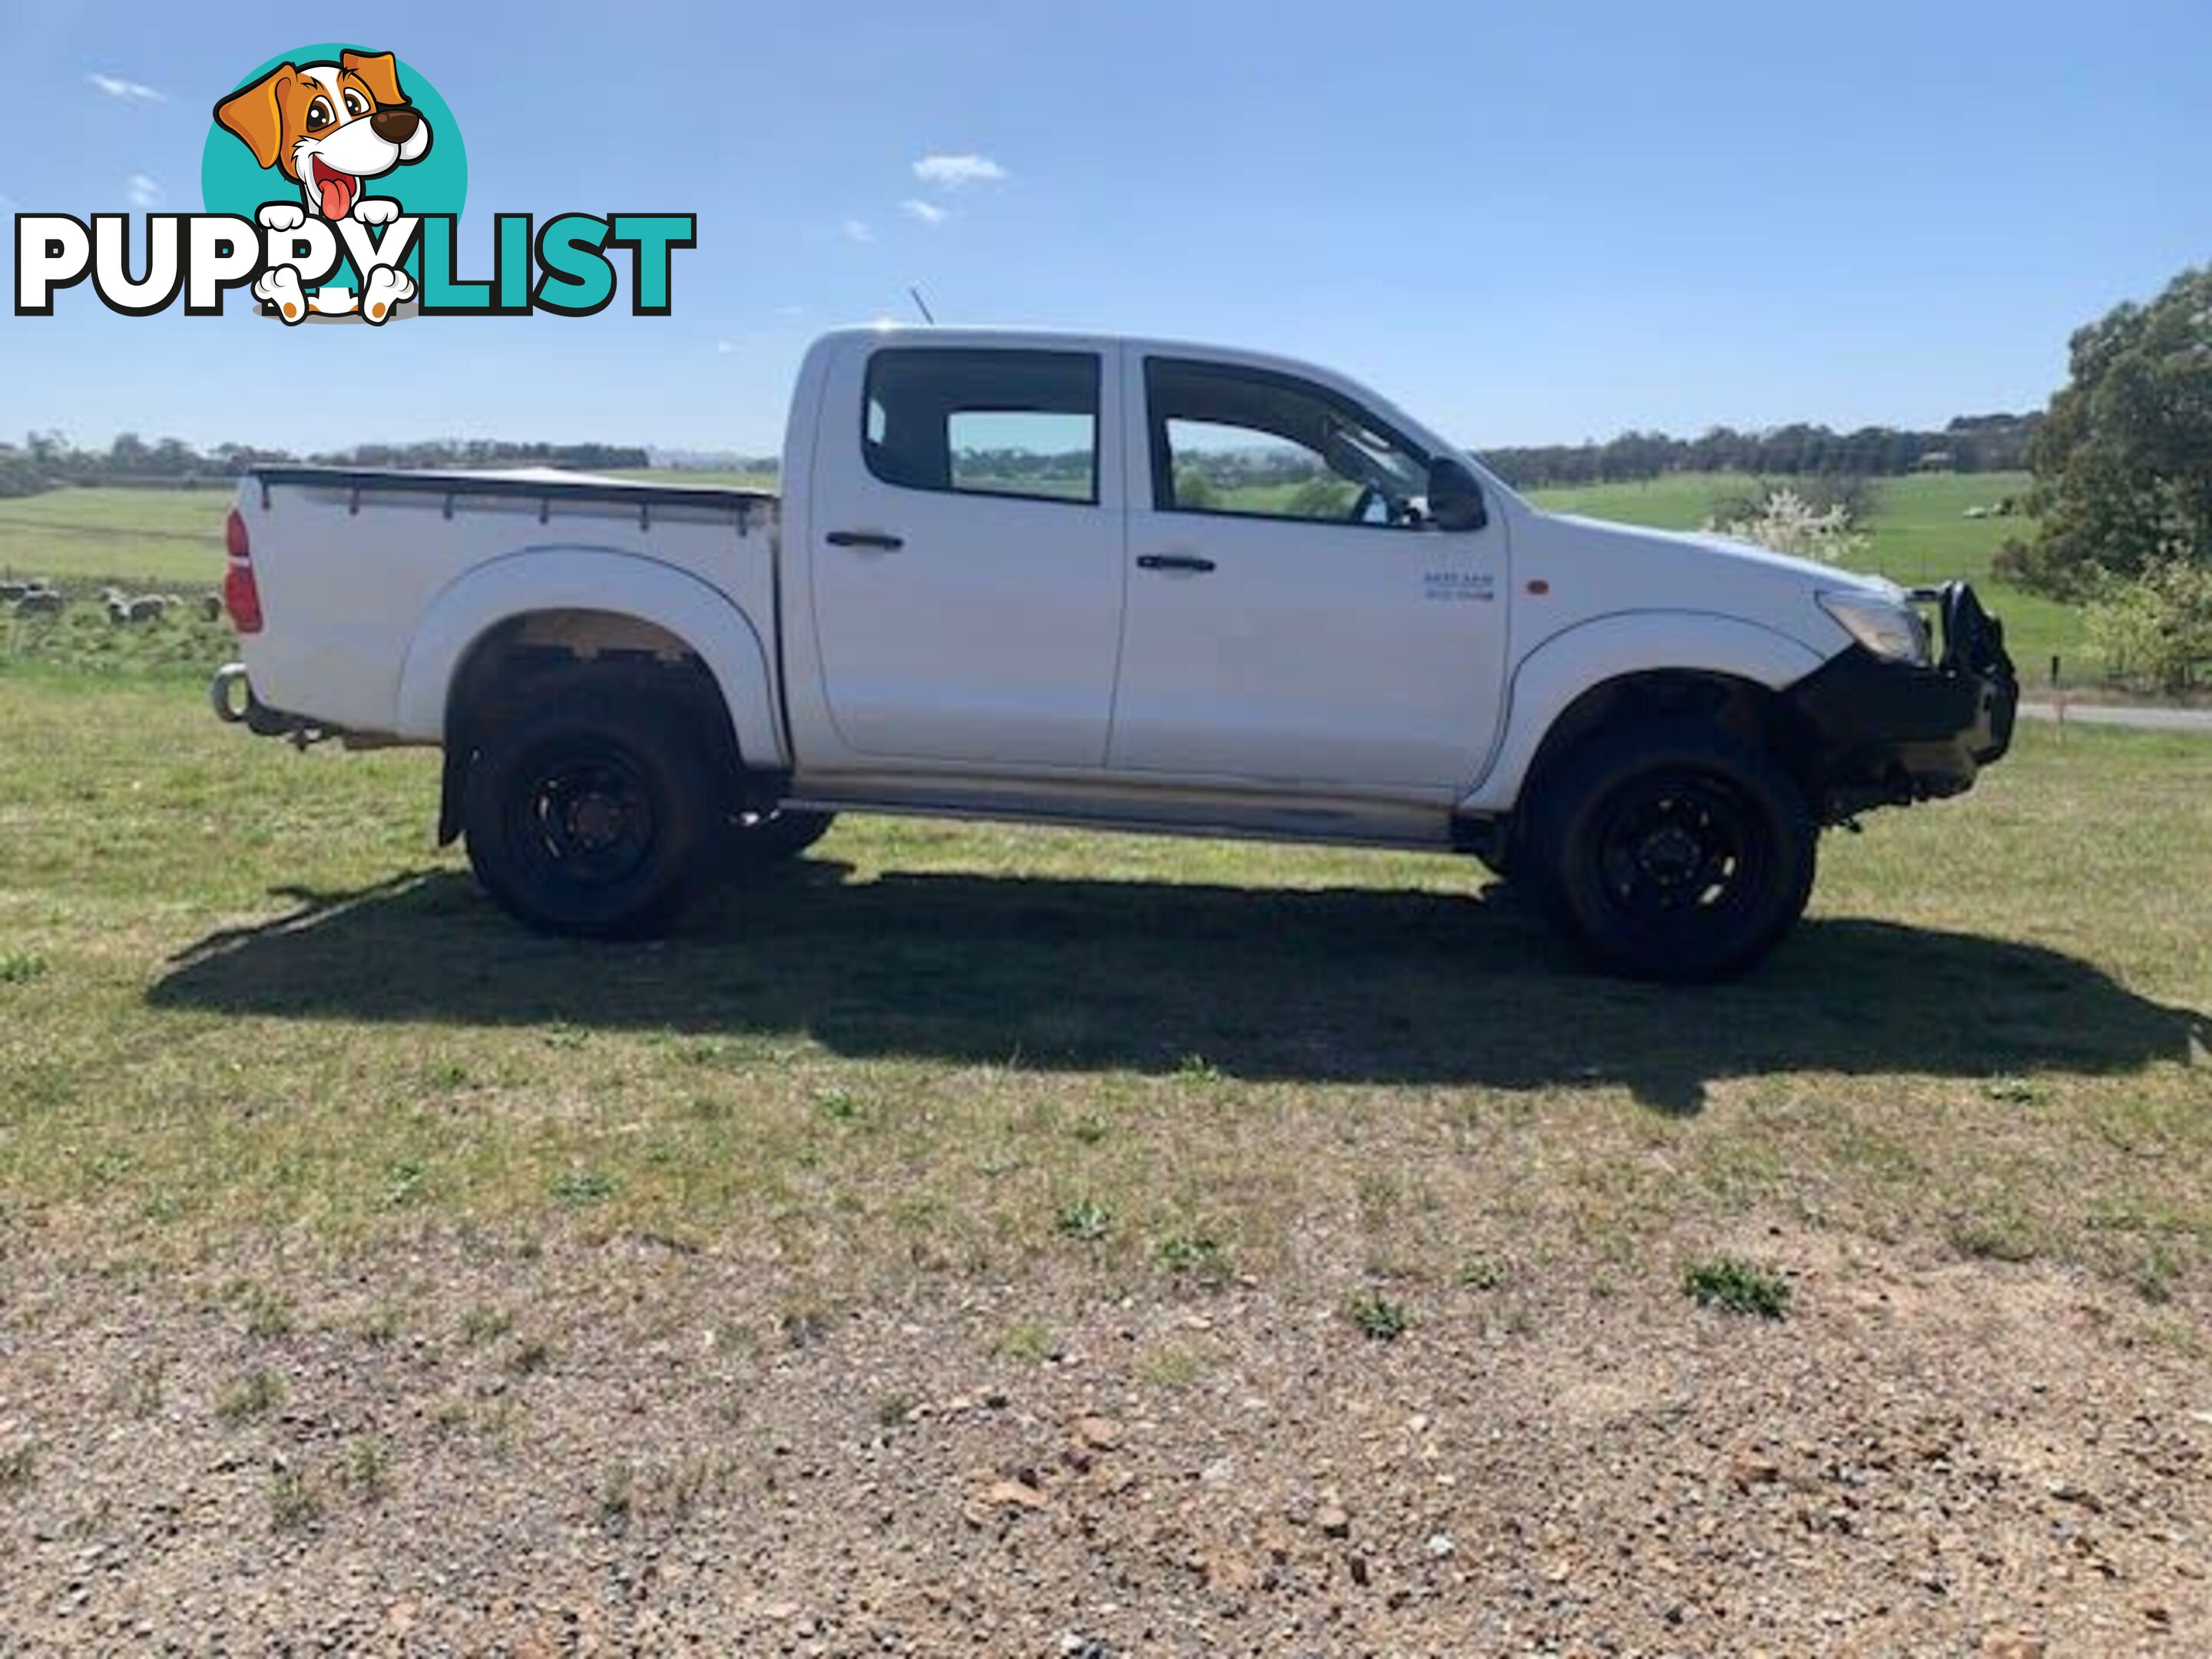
[1076, 817]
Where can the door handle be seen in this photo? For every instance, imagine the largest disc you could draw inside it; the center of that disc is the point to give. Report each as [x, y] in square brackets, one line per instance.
[875, 538]
[1173, 561]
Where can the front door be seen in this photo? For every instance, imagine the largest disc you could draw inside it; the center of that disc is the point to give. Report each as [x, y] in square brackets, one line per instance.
[967, 569]
[1292, 618]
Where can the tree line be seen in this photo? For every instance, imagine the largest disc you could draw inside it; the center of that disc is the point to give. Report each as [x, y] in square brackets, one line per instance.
[45, 459]
[1969, 443]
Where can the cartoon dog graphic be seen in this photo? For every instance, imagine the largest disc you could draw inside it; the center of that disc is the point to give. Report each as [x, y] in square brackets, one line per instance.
[330, 128]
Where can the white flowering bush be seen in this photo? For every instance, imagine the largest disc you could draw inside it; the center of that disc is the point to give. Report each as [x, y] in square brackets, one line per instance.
[1786, 522]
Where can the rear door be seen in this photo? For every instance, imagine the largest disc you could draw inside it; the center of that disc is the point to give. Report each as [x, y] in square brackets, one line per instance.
[967, 571]
[1293, 618]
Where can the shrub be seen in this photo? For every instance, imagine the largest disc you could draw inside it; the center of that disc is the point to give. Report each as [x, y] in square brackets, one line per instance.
[1785, 521]
[2155, 628]
[1854, 496]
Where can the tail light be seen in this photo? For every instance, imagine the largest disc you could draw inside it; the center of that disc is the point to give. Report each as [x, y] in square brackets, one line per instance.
[240, 596]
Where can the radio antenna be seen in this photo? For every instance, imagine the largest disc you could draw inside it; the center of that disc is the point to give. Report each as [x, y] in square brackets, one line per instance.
[922, 305]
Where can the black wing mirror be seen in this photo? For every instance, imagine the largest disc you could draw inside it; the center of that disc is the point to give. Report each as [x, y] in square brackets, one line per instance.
[1454, 495]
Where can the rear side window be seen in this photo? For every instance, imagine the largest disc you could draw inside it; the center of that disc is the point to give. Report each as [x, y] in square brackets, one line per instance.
[984, 422]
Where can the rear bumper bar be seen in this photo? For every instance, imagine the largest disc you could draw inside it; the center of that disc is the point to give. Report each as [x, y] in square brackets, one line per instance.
[1890, 732]
[231, 693]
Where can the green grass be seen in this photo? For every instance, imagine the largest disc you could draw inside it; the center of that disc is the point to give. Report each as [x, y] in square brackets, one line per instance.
[269, 1009]
[1084, 1220]
[1377, 1318]
[294, 1502]
[21, 968]
[251, 1397]
[1920, 535]
[1737, 1287]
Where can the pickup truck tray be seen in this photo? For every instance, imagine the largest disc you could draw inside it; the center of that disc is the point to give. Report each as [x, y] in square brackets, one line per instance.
[545, 487]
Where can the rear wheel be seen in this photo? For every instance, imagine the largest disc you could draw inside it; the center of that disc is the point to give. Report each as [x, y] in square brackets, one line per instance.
[1674, 851]
[591, 814]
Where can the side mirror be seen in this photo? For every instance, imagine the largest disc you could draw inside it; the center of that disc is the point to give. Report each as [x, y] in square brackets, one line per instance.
[1455, 496]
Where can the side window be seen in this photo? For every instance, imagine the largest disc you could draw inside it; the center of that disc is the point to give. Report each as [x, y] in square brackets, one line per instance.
[1258, 444]
[984, 422]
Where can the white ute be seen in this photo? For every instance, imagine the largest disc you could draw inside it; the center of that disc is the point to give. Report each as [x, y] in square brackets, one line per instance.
[1114, 583]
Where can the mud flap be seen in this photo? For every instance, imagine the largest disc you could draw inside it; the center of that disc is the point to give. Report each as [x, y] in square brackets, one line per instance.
[453, 791]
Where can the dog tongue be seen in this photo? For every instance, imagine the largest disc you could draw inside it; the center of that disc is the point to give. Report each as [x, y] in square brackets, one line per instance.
[337, 190]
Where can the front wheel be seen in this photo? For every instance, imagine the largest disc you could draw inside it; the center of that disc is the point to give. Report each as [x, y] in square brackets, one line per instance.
[592, 814]
[1674, 851]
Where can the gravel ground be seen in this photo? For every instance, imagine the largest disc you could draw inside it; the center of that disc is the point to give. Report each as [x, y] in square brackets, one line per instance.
[622, 1446]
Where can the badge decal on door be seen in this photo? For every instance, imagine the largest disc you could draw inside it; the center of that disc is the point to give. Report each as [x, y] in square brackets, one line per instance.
[1459, 585]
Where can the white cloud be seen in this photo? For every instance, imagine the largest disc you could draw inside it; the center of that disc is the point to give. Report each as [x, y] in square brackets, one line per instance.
[957, 171]
[859, 230]
[928, 212]
[724, 347]
[115, 87]
[790, 311]
[144, 192]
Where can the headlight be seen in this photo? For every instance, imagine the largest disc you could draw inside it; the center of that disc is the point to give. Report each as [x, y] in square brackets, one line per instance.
[1890, 629]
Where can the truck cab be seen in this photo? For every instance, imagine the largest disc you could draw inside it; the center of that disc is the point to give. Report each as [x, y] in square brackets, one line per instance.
[1126, 584]
[1320, 648]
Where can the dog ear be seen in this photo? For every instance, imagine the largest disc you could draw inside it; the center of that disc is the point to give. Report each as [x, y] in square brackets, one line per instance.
[379, 72]
[253, 115]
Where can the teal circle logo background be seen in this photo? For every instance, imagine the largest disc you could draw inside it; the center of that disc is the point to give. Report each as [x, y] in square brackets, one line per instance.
[230, 182]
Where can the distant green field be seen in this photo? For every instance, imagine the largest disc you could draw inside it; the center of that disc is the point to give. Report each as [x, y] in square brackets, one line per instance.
[1920, 531]
[173, 537]
[1920, 527]
[144, 537]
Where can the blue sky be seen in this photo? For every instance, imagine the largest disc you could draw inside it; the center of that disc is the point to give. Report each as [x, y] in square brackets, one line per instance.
[1526, 222]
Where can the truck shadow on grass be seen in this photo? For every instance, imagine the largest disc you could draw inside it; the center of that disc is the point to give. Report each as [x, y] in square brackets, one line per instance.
[1334, 986]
